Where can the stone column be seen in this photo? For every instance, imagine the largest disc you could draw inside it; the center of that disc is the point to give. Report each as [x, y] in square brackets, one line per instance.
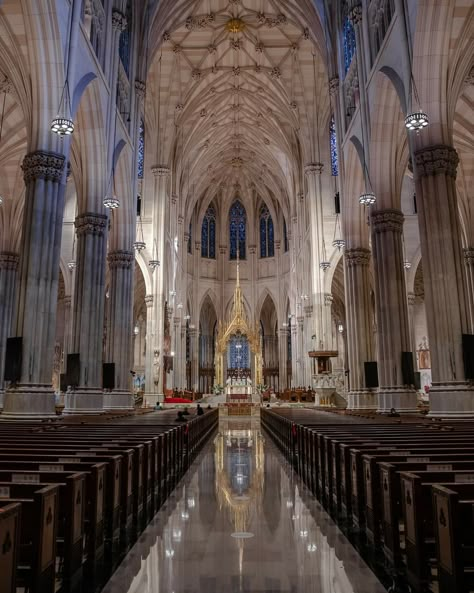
[67, 342]
[444, 279]
[8, 285]
[308, 346]
[391, 311]
[294, 353]
[176, 348]
[33, 396]
[194, 338]
[282, 356]
[88, 313]
[411, 298]
[120, 329]
[469, 261]
[152, 354]
[359, 333]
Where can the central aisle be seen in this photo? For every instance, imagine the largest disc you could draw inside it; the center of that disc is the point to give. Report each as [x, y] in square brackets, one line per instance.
[242, 522]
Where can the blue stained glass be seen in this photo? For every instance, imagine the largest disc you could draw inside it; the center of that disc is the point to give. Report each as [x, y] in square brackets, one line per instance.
[285, 236]
[208, 234]
[333, 147]
[237, 230]
[141, 149]
[190, 249]
[349, 43]
[267, 245]
[238, 353]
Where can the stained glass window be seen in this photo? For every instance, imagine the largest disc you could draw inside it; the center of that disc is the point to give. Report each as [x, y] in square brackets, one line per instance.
[124, 41]
[333, 147]
[208, 234]
[349, 42]
[141, 149]
[190, 249]
[285, 236]
[267, 243]
[238, 353]
[237, 230]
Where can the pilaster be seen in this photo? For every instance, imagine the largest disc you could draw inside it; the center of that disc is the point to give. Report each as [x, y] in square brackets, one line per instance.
[8, 287]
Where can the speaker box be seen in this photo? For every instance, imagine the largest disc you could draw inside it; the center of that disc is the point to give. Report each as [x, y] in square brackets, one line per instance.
[371, 374]
[63, 382]
[408, 372]
[468, 355]
[417, 380]
[108, 375]
[13, 357]
[73, 370]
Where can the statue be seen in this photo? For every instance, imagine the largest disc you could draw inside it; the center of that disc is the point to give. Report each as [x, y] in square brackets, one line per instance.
[156, 367]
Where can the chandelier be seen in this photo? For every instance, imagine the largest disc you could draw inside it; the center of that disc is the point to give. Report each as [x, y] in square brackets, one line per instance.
[407, 264]
[154, 262]
[62, 124]
[338, 241]
[325, 265]
[367, 198]
[71, 265]
[416, 121]
[139, 245]
[111, 201]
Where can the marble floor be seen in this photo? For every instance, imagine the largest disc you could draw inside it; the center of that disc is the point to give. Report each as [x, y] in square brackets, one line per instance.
[237, 523]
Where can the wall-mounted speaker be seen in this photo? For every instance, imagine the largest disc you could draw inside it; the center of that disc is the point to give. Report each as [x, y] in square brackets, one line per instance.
[108, 375]
[371, 374]
[13, 358]
[73, 370]
[468, 355]
[408, 372]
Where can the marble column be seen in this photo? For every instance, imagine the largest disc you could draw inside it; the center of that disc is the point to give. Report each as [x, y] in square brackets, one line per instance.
[391, 311]
[294, 354]
[33, 396]
[411, 299]
[469, 261]
[444, 279]
[8, 286]
[194, 343]
[67, 339]
[283, 358]
[308, 345]
[88, 313]
[120, 329]
[360, 343]
[152, 354]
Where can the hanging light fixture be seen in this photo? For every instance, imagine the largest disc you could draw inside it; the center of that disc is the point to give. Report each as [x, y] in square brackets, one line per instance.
[416, 121]
[338, 241]
[1, 127]
[154, 262]
[367, 198]
[62, 124]
[139, 244]
[324, 264]
[72, 262]
[111, 201]
[407, 264]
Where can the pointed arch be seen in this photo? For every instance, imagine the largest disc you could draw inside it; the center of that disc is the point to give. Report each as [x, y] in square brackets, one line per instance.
[237, 230]
[208, 233]
[267, 234]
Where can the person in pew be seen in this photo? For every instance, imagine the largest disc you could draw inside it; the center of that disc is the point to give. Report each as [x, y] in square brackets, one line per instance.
[199, 410]
[180, 417]
[393, 413]
[186, 412]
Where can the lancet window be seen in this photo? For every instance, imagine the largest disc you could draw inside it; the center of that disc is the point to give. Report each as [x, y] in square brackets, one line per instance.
[237, 230]
[208, 234]
[267, 244]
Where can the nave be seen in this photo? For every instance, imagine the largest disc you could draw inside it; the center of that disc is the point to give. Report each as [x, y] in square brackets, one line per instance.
[242, 521]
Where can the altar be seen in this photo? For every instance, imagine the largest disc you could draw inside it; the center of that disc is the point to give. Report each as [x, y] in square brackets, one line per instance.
[238, 390]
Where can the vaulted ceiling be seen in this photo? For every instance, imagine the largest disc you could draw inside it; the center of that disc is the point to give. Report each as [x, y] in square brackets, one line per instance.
[234, 96]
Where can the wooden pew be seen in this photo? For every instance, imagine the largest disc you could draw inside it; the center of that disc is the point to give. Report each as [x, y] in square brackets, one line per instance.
[10, 515]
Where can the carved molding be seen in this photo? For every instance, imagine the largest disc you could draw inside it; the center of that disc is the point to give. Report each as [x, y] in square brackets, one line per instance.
[9, 260]
[161, 171]
[355, 15]
[6, 85]
[252, 249]
[313, 168]
[359, 256]
[149, 300]
[43, 165]
[334, 86]
[328, 299]
[434, 160]
[140, 89]
[389, 220]
[411, 297]
[120, 259]
[470, 77]
[469, 256]
[119, 20]
[91, 224]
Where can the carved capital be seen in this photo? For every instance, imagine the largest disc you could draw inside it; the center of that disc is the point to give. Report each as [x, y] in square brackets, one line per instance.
[434, 160]
[197, 245]
[43, 165]
[149, 300]
[140, 88]
[174, 199]
[119, 20]
[67, 300]
[469, 256]
[9, 260]
[334, 86]
[411, 297]
[300, 196]
[389, 220]
[252, 249]
[180, 219]
[6, 85]
[120, 259]
[91, 224]
[328, 299]
[358, 256]
[160, 171]
[313, 168]
[355, 15]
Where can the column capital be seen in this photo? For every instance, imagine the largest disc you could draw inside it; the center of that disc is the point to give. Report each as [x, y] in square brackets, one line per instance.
[120, 259]
[9, 260]
[161, 171]
[222, 249]
[411, 297]
[43, 165]
[174, 199]
[180, 219]
[300, 196]
[313, 168]
[328, 299]
[149, 300]
[186, 237]
[252, 249]
[389, 220]
[284, 332]
[355, 14]
[197, 245]
[437, 159]
[334, 86]
[140, 89]
[358, 256]
[90, 223]
[308, 310]
[277, 244]
[119, 20]
[67, 300]
[469, 256]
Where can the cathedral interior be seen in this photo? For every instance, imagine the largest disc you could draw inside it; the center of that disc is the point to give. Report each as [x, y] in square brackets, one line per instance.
[250, 208]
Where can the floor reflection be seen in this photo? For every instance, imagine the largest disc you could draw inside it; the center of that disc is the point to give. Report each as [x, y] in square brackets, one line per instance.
[237, 523]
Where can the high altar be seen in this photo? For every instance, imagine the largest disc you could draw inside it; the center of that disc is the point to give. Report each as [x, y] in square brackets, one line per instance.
[238, 324]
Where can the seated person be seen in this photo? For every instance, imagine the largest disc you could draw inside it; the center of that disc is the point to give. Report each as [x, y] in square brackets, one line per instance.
[209, 407]
[199, 410]
[180, 417]
[186, 412]
[393, 413]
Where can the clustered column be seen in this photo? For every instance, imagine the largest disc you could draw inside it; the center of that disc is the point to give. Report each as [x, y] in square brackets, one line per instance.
[8, 284]
[395, 391]
[444, 279]
[469, 260]
[88, 313]
[359, 327]
[32, 395]
[119, 328]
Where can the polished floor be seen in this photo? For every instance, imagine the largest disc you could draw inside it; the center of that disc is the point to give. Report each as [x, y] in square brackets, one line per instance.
[242, 522]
